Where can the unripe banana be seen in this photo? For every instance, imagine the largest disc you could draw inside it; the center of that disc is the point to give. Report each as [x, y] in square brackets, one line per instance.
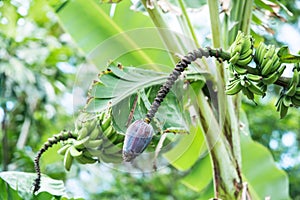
[106, 144]
[240, 70]
[254, 77]
[115, 149]
[68, 159]
[287, 101]
[245, 61]
[247, 44]
[94, 152]
[297, 91]
[74, 152]
[255, 89]
[246, 54]
[248, 93]
[106, 123]
[234, 88]
[267, 68]
[81, 144]
[258, 53]
[295, 101]
[283, 110]
[95, 133]
[291, 91]
[108, 131]
[293, 84]
[271, 78]
[262, 54]
[82, 133]
[234, 58]
[85, 159]
[245, 82]
[94, 143]
[117, 158]
[62, 151]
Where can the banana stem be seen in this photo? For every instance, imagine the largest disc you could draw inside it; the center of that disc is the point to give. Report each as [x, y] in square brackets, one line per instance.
[62, 136]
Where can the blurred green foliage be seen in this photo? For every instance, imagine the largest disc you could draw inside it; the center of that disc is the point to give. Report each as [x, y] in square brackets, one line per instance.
[37, 69]
[38, 62]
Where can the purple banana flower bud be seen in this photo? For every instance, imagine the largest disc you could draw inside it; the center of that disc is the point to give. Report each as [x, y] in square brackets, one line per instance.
[137, 138]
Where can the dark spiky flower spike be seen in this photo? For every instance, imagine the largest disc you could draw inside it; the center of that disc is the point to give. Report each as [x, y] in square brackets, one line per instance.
[62, 136]
[139, 133]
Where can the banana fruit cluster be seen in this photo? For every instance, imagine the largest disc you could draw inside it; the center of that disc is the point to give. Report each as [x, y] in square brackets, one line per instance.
[246, 83]
[96, 140]
[241, 52]
[290, 96]
[268, 63]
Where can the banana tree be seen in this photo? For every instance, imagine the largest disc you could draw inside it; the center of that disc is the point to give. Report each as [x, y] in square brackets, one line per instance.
[210, 140]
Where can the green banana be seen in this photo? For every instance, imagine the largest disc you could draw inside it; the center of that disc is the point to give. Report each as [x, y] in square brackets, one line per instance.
[271, 78]
[240, 70]
[263, 53]
[287, 101]
[255, 89]
[253, 77]
[267, 68]
[74, 152]
[246, 54]
[81, 144]
[68, 159]
[291, 91]
[297, 91]
[295, 101]
[94, 143]
[106, 144]
[62, 151]
[283, 110]
[108, 131]
[106, 123]
[293, 84]
[247, 44]
[115, 149]
[257, 53]
[245, 82]
[248, 93]
[95, 133]
[85, 159]
[82, 133]
[234, 58]
[94, 152]
[244, 62]
[116, 158]
[234, 89]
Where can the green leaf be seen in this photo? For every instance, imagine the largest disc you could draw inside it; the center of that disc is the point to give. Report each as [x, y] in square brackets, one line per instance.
[188, 150]
[110, 36]
[9, 18]
[260, 171]
[118, 84]
[21, 184]
[200, 176]
[262, 5]
[286, 57]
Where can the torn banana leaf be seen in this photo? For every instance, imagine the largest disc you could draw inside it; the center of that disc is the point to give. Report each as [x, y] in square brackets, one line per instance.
[286, 57]
[118, 83]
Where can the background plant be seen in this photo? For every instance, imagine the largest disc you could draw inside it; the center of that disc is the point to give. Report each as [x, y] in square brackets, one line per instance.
[159, 23]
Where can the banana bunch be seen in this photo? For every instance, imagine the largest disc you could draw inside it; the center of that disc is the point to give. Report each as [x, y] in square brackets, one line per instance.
[283, 104]
[290, 96]
[96, 140]
[247, 83]
[268, 63]
[241, 52]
